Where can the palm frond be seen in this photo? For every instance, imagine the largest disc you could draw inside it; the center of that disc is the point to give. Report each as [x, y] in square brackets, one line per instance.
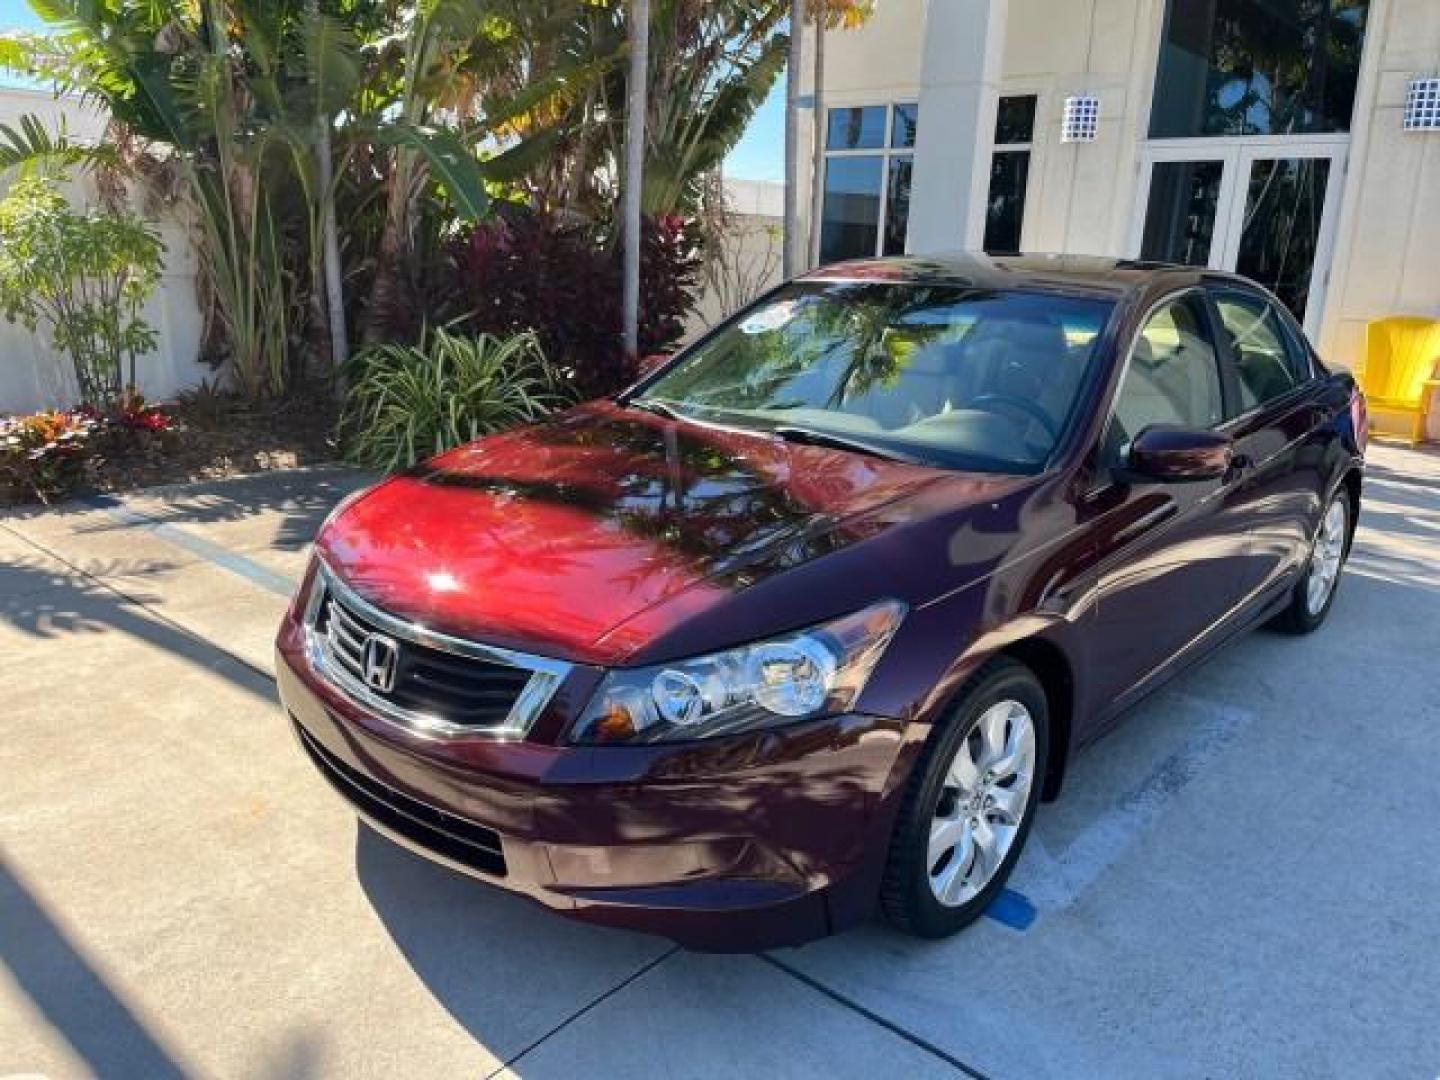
[29, 146]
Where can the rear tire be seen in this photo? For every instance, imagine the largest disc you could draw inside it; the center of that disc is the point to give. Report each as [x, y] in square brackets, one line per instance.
[969, 804]
[1314, 593]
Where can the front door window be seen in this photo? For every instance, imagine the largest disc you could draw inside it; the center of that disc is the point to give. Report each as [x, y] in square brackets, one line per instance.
[1172, 376]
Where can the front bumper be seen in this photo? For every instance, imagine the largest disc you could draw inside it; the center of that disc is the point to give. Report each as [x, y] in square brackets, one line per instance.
[739, 844]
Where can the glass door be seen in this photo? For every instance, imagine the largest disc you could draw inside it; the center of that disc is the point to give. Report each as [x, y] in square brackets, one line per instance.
[1279, 236]
[1183, 207]
[1262, 208]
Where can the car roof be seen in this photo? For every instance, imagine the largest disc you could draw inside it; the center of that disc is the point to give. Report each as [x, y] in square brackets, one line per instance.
[1095, 274]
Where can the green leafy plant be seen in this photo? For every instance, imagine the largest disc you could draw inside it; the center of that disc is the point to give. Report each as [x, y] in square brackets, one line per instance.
[407, 402]
[83, 276]
[46, 455]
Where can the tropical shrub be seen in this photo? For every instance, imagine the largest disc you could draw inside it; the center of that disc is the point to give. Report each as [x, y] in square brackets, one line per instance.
[561, 280]
[134, 413]
[83, 276]
[47, 455]
[407, 402]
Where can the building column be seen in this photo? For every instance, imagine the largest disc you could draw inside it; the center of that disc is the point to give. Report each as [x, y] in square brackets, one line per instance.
[959, 84]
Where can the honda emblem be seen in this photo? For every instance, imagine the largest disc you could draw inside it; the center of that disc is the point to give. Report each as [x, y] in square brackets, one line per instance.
[381, 658]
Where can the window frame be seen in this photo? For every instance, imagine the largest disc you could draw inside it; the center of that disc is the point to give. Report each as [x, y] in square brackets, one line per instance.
[1293, 340]
[886, 152]
[1103, 456]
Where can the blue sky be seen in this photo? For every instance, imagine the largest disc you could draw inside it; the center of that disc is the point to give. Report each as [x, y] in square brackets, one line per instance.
[16, 14]
[760, 155]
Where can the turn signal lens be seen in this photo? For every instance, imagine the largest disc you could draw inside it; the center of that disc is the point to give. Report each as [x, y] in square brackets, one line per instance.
[816, 672]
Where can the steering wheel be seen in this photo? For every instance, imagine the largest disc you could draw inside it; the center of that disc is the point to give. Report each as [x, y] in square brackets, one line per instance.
[1020, 404]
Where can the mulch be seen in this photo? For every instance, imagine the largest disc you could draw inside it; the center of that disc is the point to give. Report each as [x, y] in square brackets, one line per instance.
[214, 436]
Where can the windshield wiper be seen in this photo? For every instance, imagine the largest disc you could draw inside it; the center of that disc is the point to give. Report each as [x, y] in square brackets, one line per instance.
[811, 437]
[656, 407]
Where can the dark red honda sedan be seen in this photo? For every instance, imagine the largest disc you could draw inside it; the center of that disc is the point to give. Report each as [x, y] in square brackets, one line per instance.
[812, 618]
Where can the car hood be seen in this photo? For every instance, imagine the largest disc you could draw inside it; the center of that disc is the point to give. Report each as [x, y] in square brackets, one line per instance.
[554, 537]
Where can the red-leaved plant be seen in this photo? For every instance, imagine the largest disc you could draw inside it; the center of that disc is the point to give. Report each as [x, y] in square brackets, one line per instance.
[46, 455]
[523, 271]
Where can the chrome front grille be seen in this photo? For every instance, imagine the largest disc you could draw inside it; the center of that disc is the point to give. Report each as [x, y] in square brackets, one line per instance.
[428, 682]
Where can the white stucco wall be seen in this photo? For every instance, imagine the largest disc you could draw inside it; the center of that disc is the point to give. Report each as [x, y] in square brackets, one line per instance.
[32, 374]
[1081, 195]
[1387, 252]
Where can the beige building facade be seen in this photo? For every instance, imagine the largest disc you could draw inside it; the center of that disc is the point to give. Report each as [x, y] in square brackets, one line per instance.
[1265, 136]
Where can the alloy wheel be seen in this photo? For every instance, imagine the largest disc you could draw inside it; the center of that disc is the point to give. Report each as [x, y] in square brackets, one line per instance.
[1325, 558]
[982, 803]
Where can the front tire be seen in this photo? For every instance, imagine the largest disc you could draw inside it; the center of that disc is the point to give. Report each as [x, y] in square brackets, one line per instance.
[969, 804]
[1314, 593]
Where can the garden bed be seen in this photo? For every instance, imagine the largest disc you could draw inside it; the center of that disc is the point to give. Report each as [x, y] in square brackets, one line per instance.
[210, 436]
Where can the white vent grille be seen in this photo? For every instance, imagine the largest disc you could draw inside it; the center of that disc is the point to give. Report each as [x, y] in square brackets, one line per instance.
[1082, 119]
[1422, 105]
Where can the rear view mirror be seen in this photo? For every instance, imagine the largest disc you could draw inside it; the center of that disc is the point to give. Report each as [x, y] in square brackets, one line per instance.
[1173, 454]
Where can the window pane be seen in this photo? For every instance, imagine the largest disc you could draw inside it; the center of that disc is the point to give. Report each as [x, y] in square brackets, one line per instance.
[852, 207]
[1173, 376]
[902, 130]
[897, 204]
[857, 129]
[1283, 204]
[1257, 67]
[1005, 212]
[1264, 365]
[1015, 120]
[1180, 214]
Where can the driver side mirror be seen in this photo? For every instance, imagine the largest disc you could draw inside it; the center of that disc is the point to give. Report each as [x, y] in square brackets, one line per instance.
[1173, 454]
[648, 365]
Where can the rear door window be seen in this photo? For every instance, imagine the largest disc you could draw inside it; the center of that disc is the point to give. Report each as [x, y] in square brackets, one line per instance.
[1268, 361]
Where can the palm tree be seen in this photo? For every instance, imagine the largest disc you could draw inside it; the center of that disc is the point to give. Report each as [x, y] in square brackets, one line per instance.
[790, 260]
[817, 123]
[329, 256]
[634, 169]
[828, 15]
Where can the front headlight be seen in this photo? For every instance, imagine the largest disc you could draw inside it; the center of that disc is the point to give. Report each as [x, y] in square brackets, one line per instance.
[815, 672]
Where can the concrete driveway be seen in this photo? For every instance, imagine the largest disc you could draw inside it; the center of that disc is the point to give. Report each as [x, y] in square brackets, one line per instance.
[1242, 881]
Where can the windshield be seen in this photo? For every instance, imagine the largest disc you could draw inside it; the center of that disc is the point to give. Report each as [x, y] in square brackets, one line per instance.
[947, 374]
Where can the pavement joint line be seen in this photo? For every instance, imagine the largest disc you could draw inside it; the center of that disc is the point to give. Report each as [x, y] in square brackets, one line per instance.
[211, 552]
[918, 1041]
[634, 976]
[179, 628]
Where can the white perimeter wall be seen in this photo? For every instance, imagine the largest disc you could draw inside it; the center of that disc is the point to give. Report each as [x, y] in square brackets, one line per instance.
[752, 253]
[32, 374]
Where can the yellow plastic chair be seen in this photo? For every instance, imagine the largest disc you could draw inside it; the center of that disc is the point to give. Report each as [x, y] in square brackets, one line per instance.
[1401, 353]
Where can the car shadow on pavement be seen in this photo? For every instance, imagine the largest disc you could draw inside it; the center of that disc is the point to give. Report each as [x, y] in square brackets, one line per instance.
[71, 994]
[500, 964]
